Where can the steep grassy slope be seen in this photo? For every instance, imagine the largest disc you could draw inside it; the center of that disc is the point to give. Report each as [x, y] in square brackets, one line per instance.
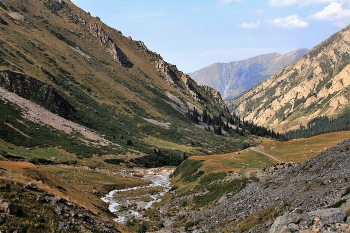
[62, 58]
[315, 85]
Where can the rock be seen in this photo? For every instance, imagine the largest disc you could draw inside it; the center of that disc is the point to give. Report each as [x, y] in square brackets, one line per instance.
[12, 208]
[317, 221]
[41, 198]
[63, 226]
[55, 199]
[58, 210]
[31, 186]
[17, 16]
[333, 215]
[4, 3]
[3, 21]
[56, 4]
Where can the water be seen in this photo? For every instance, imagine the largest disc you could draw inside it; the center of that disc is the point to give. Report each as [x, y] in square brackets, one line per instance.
[157, 177]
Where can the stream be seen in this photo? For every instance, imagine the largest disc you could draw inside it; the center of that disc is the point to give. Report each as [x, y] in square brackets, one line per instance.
[132, 206]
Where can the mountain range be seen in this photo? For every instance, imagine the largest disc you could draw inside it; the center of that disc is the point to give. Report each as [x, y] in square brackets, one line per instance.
[92, 124]
[233, 78]
[317, 84]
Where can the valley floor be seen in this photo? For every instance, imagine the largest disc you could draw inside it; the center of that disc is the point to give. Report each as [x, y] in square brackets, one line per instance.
[206, 193]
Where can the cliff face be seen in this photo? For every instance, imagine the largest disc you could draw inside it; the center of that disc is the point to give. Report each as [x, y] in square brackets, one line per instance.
[316, 84]
[232, 79]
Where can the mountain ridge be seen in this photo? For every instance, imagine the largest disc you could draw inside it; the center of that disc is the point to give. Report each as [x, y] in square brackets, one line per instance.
[233, 78]
[315, 85]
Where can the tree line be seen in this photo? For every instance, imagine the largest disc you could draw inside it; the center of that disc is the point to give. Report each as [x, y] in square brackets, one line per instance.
[320, 125]
[230, 123]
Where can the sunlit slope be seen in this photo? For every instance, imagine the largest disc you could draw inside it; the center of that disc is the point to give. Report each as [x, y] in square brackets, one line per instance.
[71, 63]
[317, 84]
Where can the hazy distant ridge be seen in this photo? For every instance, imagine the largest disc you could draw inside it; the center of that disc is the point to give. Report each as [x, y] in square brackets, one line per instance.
[232, 79]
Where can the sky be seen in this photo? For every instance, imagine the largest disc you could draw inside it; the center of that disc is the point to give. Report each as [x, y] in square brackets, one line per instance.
[192, 34]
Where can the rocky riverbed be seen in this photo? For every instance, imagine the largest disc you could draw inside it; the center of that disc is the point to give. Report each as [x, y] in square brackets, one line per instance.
[130, 203]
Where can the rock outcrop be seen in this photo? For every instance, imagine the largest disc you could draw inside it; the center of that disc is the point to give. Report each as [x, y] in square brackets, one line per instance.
[37, 91]
[106, 42]
[216, 95]
[65, 216]
[5, 4]
[323, 220]
[110, 46]
[56, 4]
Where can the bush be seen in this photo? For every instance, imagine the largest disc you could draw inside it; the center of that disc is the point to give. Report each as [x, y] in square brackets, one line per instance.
[189, 170]
[114, 161]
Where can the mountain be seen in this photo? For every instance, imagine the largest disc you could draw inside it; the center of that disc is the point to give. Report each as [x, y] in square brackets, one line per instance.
[315, 85]
[232, 79]
[100, 87]
[81, 105]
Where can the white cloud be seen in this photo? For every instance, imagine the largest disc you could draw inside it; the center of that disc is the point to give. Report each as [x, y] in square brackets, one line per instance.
[335, 12]
[291, 21]
[250, 25]
[296, 2]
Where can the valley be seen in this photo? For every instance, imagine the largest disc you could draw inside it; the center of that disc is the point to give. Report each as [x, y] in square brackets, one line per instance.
[87, 181]
[100, 134]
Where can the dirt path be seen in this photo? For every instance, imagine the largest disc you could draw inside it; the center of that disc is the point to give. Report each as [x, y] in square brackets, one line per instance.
[258, 150]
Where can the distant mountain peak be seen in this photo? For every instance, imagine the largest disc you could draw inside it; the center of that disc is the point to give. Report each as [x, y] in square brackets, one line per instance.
[233, 78]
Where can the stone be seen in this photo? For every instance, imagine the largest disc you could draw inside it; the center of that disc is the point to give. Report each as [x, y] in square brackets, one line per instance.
[3, 21]
[332, 215]
[58, 210]
[41, 198]
[12, 208]
[31, 186]
[56, 4]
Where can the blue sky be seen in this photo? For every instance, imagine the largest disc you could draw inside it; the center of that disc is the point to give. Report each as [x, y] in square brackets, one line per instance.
[192, 34]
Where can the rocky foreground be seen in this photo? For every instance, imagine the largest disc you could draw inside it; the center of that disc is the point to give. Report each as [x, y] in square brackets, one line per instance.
[325, 220]
[316, 184]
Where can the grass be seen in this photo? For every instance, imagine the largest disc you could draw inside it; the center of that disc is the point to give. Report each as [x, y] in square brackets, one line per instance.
[215, 191]
[33, 212]
[233, 162]
[91, 177]
[105, 95]
[300, 150]
[159, 143]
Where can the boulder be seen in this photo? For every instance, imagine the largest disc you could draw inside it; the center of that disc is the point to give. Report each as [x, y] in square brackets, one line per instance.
[31, 186]
[56, 4]
[9, 208]
[317, 220]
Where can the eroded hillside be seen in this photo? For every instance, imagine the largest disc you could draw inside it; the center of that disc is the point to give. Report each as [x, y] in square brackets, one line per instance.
[317, 84]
